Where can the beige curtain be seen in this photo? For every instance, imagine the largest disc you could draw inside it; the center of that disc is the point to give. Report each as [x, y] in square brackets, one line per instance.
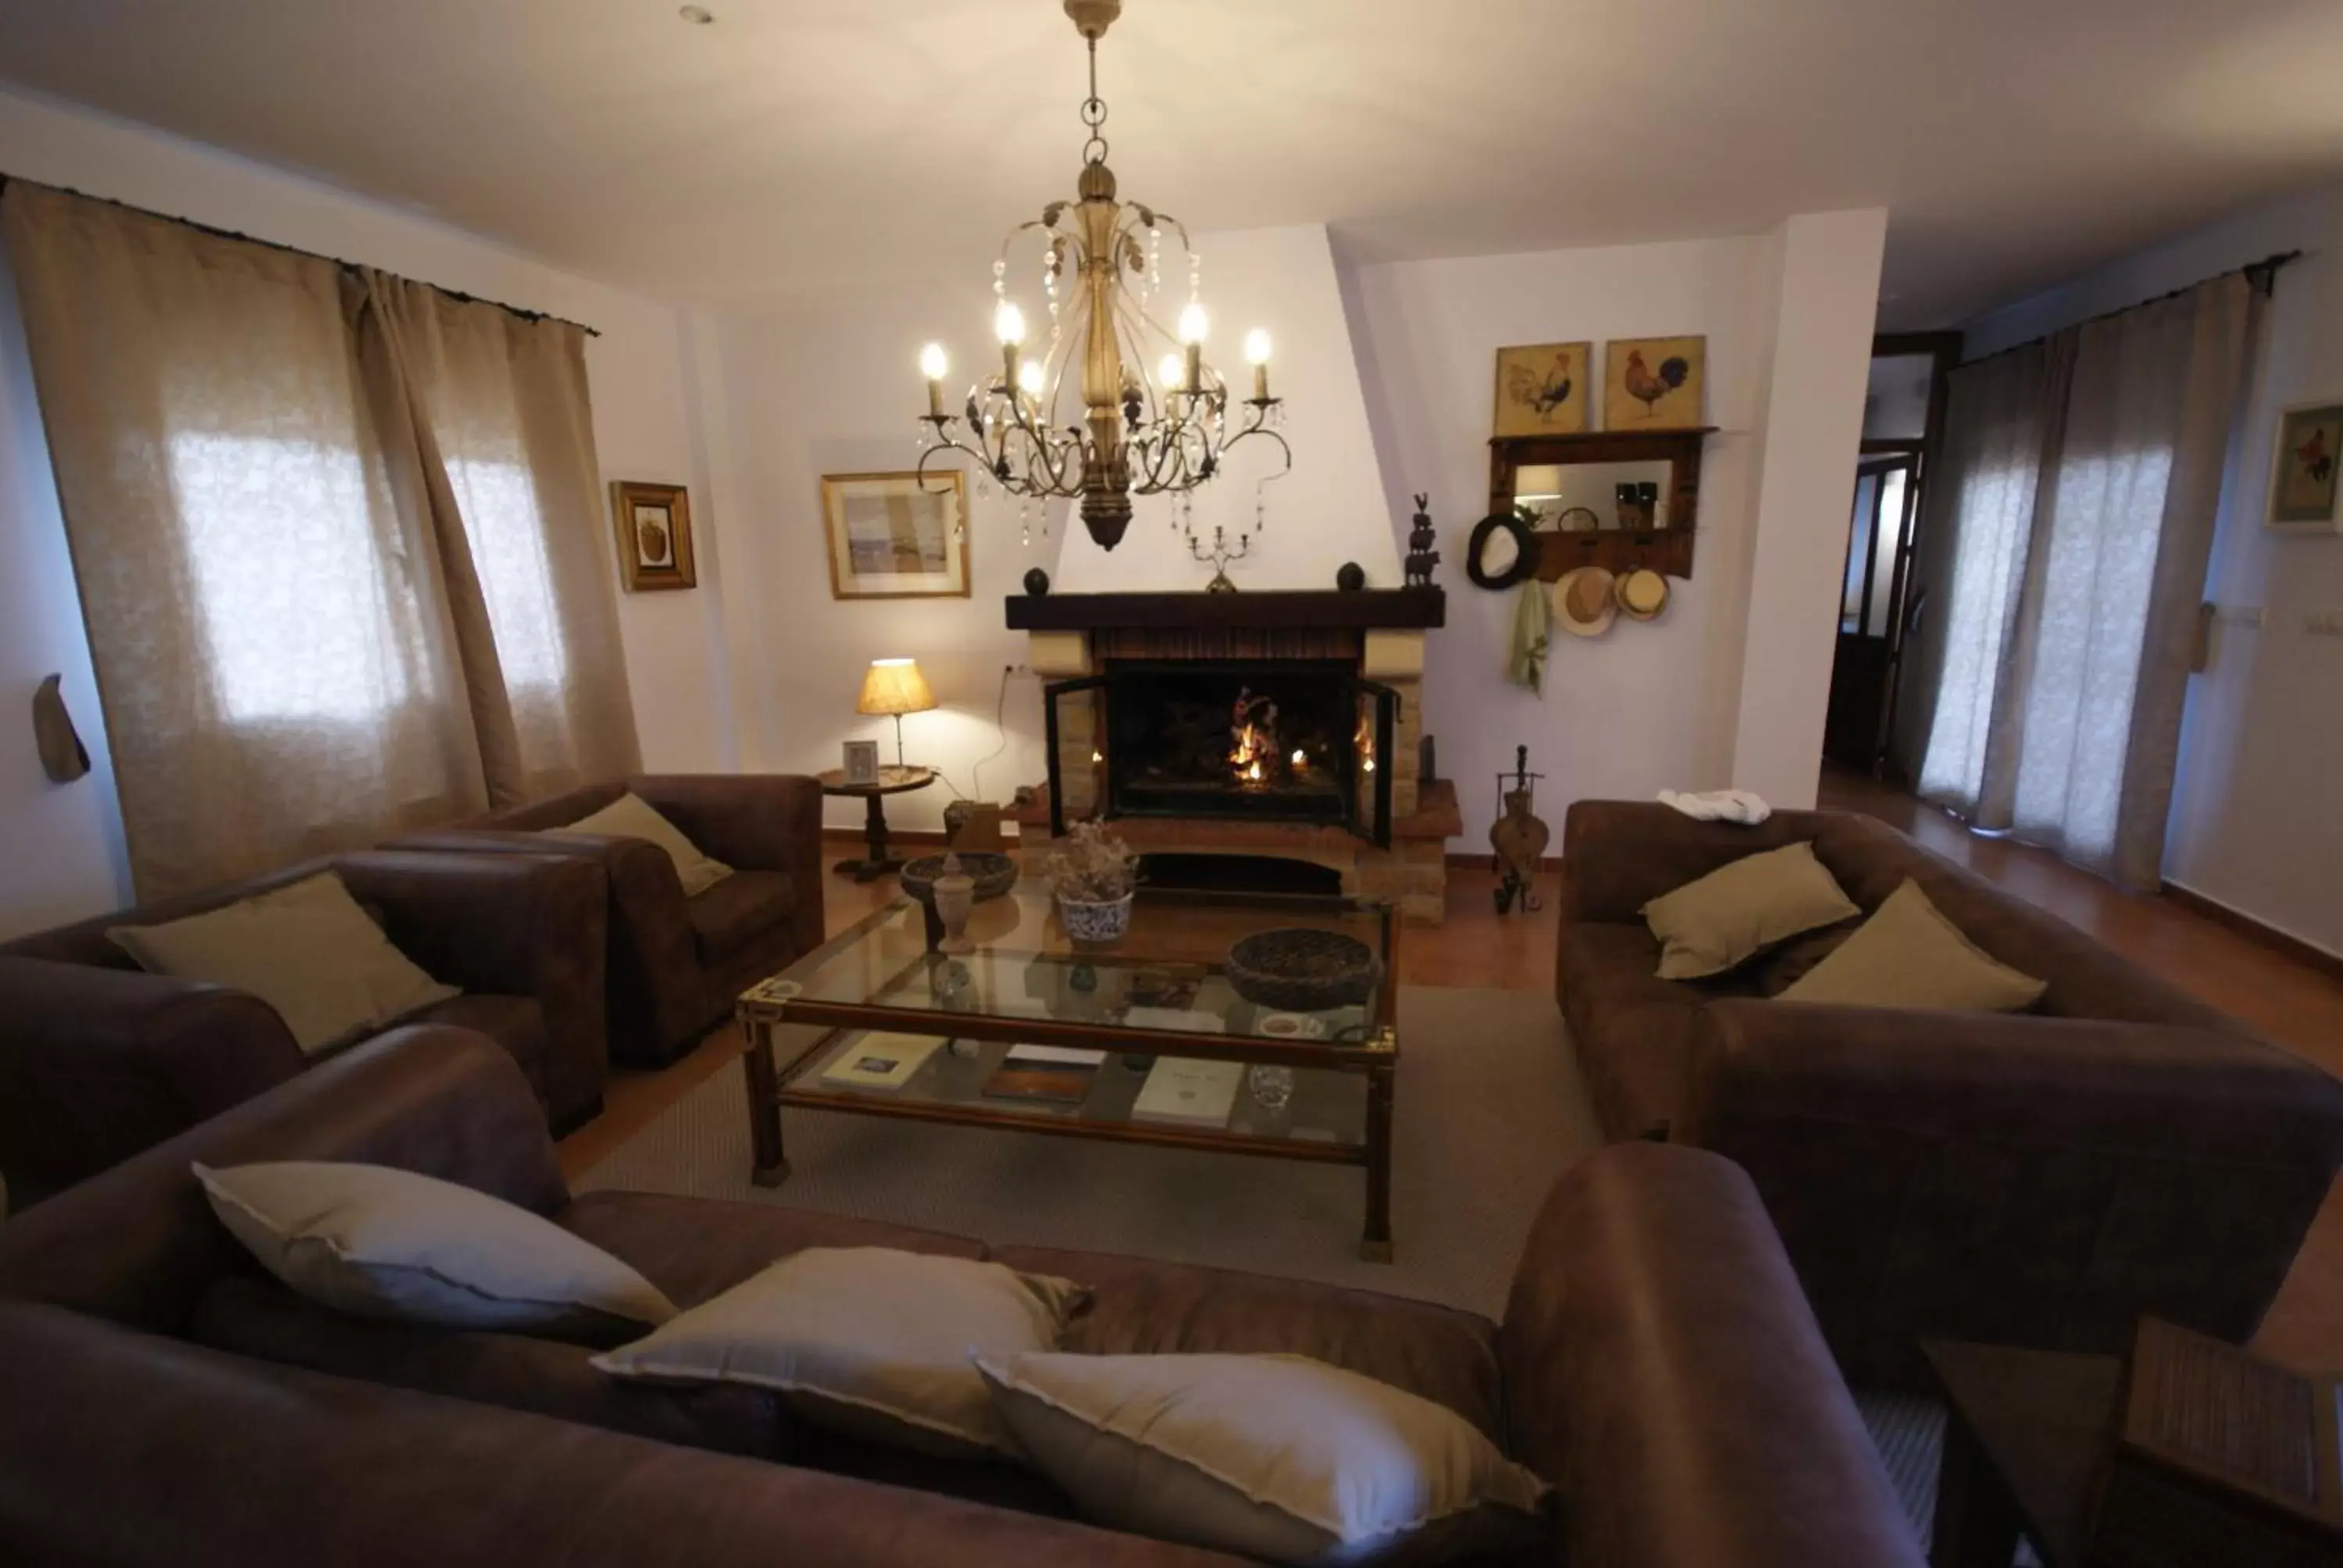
[499, 414]
[2085, 487]
[271, 516]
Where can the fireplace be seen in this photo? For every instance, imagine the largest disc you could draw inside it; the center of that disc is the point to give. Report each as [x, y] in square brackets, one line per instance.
[1249, 739]
[1139, 700]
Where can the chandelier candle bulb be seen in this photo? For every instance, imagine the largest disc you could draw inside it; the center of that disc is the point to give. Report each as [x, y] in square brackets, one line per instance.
[1256, 350]
[933, 366]
[1171, 373]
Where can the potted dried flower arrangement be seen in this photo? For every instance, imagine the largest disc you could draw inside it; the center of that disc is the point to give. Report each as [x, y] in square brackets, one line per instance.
[1095, 876]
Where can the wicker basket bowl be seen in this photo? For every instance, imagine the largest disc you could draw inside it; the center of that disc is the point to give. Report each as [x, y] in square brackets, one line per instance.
[1300, 968]
[993, 875]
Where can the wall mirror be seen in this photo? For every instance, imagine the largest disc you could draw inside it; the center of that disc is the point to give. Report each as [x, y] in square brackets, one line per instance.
[1613, 498]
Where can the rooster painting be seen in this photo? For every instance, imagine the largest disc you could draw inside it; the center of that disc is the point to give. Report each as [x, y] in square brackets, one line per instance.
[2315, 459]
[1540, 389]
[1654, 382]
[1544, 390]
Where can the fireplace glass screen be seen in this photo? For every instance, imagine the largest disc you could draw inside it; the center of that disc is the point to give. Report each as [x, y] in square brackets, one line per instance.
[1253, 738]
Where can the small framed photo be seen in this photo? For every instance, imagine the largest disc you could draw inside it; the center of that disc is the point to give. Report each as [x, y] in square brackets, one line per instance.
[2303, 469]
[896, 536]
[861, 762]
[654, 524]
[1541, 389]
[1655, 383]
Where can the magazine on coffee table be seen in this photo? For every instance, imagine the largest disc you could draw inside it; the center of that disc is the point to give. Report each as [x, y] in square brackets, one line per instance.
[1186, 1092]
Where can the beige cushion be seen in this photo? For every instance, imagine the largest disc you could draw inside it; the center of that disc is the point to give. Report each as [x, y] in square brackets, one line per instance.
[631, 817]
[306, 949]
[1739, 911]
[1275, 1457]
[1907, 954]
[867, 1340]
[383, 1243]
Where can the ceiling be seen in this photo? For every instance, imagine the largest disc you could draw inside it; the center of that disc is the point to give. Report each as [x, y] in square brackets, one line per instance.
[795, 149]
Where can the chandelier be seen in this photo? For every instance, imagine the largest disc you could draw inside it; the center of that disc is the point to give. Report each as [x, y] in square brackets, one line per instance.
[1102, 265]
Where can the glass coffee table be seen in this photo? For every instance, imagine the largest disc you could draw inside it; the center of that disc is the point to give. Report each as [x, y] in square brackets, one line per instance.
[880, 1001]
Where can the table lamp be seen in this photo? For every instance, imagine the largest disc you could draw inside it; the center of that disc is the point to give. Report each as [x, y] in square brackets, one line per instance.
[896, 687]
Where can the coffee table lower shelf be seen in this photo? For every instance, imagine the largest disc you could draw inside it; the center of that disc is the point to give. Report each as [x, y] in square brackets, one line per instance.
[769, 1090]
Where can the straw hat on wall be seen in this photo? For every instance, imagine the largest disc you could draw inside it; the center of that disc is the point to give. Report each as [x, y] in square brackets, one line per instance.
[1642, 594]
[1584, 603]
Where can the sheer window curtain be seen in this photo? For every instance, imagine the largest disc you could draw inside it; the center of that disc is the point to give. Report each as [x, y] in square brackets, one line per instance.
[272, 555]
[2085, 477]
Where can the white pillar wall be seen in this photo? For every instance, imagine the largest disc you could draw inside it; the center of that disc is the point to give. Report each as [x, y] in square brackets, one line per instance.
[1813, 425]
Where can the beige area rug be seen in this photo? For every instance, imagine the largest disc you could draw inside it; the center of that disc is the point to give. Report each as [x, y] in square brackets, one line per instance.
[1489, 1111]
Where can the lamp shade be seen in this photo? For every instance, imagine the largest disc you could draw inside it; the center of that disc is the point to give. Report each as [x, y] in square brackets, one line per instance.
[895, 686]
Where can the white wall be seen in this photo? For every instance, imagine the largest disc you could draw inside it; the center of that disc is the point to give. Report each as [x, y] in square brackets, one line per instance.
[1812, 414]
[2253, 822]
[1650, 706]
[59, 845]
[1330, 508]
[840, 392]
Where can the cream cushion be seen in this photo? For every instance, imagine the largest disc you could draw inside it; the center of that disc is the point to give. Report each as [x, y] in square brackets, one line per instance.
[306, 949]
[632, 817]
[1278, 1457]
[1907, 954]
[383, 1243]
[867, 1340]
[1736, 911]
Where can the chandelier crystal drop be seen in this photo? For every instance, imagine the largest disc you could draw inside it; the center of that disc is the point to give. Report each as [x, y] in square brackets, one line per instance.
[1101, 265]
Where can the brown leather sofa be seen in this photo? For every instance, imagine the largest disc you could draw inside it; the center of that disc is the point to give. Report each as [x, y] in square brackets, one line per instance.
[675, 964]
[2038, 1178]
[99, 1059]
[1656, 1364]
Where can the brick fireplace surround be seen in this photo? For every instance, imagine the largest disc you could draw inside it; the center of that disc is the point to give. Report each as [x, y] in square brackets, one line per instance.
[1381, 634]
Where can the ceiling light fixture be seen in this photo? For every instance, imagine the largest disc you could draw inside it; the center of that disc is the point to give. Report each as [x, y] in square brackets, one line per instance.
[1102, 266]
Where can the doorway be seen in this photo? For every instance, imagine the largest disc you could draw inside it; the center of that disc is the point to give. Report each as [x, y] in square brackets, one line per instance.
[1903, 415]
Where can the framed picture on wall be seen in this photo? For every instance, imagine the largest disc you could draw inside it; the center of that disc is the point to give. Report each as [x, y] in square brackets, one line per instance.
[654, 525]
[895, 536]
[2303, 469]
[1655, 383]
[1541, 389]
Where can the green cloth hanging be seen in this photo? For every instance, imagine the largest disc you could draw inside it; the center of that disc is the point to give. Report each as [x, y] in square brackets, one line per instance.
[1532, 634]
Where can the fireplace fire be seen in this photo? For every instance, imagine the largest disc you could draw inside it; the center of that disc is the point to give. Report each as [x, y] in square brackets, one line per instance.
[1266, 740]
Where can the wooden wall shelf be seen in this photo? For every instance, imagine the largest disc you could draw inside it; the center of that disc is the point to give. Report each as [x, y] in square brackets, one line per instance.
[1667, 550]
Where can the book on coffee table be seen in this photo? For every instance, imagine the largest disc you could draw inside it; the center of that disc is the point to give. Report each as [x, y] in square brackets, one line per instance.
[1058, 1075]
[881, 1059]
[1186, 1092]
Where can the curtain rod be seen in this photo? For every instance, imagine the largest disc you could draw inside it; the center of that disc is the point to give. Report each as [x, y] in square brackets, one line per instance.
[456, 293]
[2261, 276]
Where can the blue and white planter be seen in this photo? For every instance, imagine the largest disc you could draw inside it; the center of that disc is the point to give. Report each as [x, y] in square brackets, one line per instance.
[1089, 922]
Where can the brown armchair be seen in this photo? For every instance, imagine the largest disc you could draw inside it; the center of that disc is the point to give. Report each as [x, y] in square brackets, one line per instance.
[100, 1060]
[675, 963]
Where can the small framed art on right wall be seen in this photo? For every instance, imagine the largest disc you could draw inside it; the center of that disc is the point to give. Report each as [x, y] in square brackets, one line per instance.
[2303, 469]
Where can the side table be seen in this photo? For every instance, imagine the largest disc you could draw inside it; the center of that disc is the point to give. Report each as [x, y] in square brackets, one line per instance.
[2025, 1432]
[895, 780]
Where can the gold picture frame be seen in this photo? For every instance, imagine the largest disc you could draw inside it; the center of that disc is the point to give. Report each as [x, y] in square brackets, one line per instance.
[653, 524]
[894, 536]
[2303, 467]
[1655, 383]
[1541, 389]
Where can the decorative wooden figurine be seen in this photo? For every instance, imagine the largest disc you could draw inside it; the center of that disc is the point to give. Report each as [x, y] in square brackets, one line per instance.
[1421, 557]
[1519, 838]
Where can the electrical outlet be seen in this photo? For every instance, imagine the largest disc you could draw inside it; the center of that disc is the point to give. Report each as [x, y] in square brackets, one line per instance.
[2324, 623]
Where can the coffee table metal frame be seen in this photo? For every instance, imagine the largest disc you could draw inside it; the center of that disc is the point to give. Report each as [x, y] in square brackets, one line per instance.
[1375, 1058]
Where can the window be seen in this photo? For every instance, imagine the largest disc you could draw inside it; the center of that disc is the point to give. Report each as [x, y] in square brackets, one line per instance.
[295, 600]
[507, 530]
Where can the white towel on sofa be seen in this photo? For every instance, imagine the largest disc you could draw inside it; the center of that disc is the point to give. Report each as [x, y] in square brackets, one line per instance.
[1740, 806]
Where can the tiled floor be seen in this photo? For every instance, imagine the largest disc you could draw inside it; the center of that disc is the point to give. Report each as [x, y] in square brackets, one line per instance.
[2297, 1005]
